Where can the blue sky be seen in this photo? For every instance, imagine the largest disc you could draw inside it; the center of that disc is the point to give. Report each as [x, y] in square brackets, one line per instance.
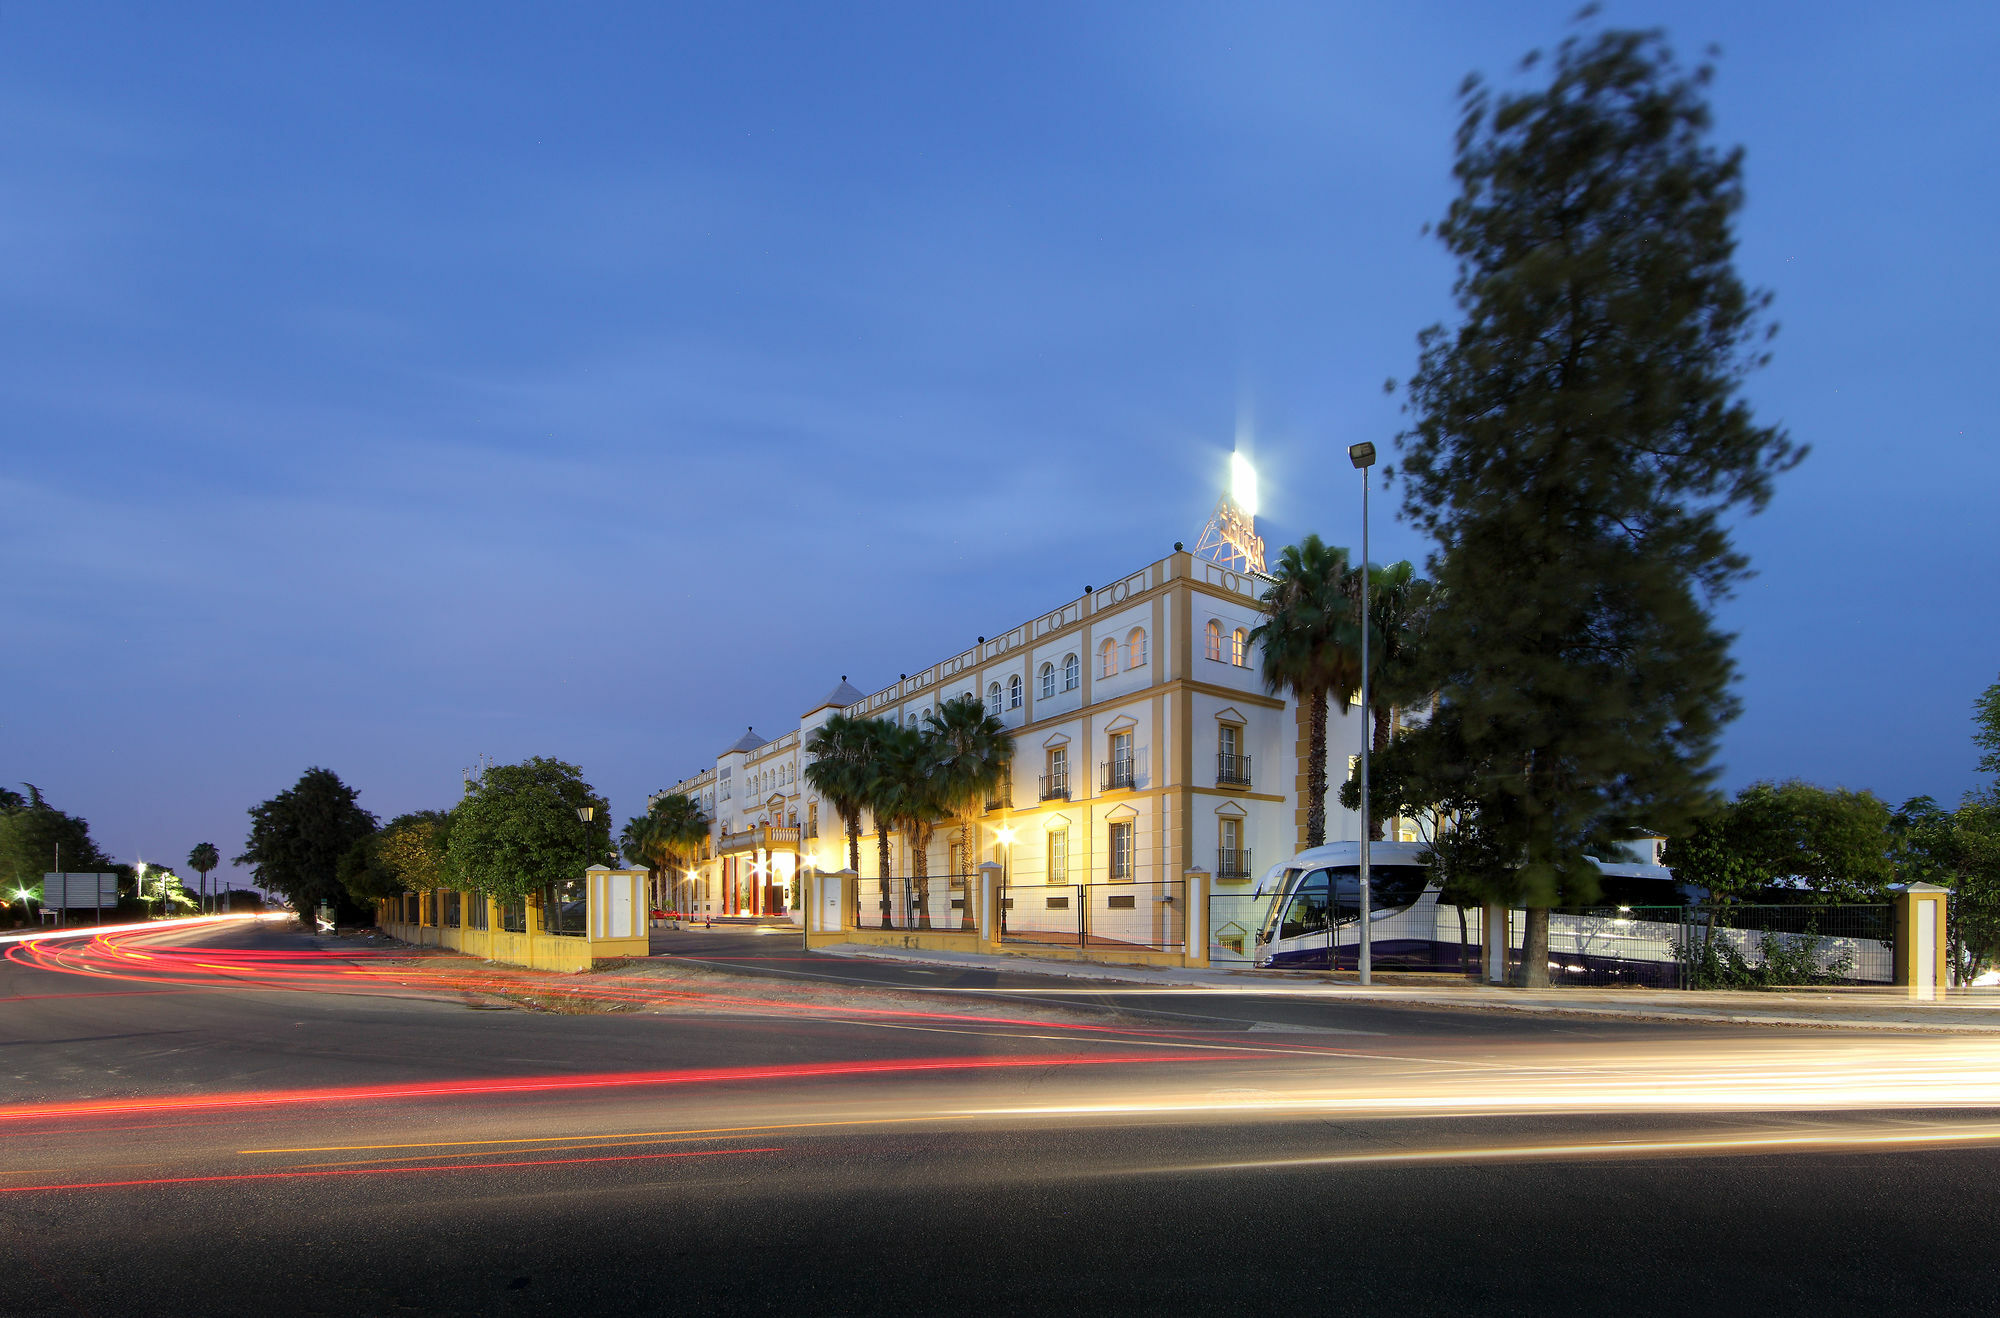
[384, 387]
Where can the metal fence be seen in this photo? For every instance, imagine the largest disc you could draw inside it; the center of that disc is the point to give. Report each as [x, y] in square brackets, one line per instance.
[940, 902]
[1650, 946]
[1144, 915]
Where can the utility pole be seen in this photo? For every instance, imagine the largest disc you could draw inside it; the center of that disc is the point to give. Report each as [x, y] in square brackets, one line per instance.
[1363, 457]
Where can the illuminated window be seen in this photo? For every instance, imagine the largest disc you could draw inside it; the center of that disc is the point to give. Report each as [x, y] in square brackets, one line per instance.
[1107, 658]
[1014, 691]
[1239, 648]
[1048, 681]
[1058, 855]
[1121, 851]
[1135, 648]
[993, 699]
[1072, 672]
[1214, 639]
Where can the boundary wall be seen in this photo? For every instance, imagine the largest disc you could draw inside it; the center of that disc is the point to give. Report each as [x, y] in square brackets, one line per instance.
[614, 925]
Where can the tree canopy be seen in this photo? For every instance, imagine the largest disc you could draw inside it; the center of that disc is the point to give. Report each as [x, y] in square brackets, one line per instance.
[298, 837]
[31, 831]
[1986, 729]
[517, 831]
[1577, 442]
[1831, 844]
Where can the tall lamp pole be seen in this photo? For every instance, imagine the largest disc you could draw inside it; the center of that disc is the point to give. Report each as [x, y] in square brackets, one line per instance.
[1363, 457]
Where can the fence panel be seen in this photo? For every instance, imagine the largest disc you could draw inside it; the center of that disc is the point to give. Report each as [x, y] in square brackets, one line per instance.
[1048, 914]
[940, 902]
[1234, 921]
[1144, 915]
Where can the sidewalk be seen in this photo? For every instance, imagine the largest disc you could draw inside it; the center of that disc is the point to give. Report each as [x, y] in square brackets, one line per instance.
[1976, 1011]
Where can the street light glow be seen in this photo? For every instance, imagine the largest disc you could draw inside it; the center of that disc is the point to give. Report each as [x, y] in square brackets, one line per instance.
[1243, 484]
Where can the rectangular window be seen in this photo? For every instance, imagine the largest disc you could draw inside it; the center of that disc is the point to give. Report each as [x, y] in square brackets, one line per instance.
[1121, 852]
[1120, 774]
[1227, 733]
[1058, 855]
[1239, 648]
[1232, 835]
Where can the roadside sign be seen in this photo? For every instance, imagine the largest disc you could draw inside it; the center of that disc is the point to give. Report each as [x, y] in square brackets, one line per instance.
[72, 892]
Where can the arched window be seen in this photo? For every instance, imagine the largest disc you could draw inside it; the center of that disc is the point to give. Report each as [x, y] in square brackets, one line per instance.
[1014, 691]
[1135, 648]
[1239, 648]
[993, 699]
[1072, 672]
[1107, 658]
[1048, 681]
[1214, 635]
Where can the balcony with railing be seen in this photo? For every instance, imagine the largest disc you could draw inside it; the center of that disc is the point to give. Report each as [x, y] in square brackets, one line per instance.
[1055, 786]
[1115, 774]
[1232, 770]
[764, 837]
[1232, 864]
[1001, 795]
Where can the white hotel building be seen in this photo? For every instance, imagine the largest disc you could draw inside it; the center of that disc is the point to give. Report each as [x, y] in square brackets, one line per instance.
[1145, 744]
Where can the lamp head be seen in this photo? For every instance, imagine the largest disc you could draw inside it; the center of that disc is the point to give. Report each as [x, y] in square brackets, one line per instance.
[1361, 455]
[584, 813]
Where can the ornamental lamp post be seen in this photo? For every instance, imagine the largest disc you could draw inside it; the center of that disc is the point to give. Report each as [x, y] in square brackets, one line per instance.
[1363, 457]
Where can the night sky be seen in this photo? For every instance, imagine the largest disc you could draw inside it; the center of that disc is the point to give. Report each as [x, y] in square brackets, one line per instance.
[390, 386]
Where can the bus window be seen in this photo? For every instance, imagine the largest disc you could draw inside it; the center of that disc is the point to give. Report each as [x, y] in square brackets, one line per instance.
[1305, 913]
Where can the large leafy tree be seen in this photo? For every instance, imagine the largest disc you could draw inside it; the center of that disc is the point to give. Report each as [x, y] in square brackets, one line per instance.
[409, 854]
[837, 769]
[1826, 844]
[517, 831]
[33, 833]
[1311, 648]
[203, 858]
[297, 839]
[1577, 442]
[970, 752]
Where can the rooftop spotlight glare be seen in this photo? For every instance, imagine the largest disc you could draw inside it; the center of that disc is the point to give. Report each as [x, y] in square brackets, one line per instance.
[1243, 483]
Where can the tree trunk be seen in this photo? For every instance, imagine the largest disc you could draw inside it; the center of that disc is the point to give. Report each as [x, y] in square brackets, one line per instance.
[1316, 771]
[969, 855]
[882, 869]
[1534, 971]
[920, 873]
[854, 846]
[1464, 948]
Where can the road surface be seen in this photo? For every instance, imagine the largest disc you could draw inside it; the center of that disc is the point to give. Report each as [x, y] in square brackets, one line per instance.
[242, 1118]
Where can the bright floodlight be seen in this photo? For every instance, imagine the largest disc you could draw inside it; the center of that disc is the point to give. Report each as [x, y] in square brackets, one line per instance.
[1243, 483]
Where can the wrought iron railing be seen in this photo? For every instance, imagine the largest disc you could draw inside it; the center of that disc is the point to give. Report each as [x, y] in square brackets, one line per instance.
[1232, 863]
[1232, 770]
[1114, 774]
[1055, 786]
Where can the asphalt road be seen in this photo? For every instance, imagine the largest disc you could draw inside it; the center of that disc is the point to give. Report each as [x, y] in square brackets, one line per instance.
[251, 1119]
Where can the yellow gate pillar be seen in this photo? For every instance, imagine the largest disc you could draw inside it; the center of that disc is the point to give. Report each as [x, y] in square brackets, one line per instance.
[990, 887]
[1194, 945]
[1920, 942]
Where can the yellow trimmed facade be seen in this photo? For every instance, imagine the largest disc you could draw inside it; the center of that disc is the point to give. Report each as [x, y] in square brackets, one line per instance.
[1145, 745]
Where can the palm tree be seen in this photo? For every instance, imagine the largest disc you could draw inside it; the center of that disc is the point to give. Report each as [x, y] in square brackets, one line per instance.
[839, 749]
[1311, 649]
[970, 752]
[875, 790]
[669, 834]
[909, 797]
[202, 859]
[1400, 604]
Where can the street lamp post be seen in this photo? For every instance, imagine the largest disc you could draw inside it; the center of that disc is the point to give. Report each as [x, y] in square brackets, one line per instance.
[1363, 457]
